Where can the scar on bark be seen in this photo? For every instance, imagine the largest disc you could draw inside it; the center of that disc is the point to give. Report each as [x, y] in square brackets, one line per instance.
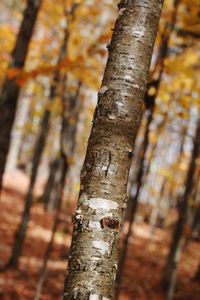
[109, 223]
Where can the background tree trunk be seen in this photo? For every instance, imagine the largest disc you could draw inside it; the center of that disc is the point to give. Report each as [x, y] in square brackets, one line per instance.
[197, 274]
[50, 195]
[10, 89]
[169, 277]
[102, 199]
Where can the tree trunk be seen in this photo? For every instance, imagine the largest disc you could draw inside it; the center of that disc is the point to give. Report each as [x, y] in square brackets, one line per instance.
[50, 195]
[197, 275]
[102, 200]
[10, 89]
[155, 210]
[196, 223]
[170, 270]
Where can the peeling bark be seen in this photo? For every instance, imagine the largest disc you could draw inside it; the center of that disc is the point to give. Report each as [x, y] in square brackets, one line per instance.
[102, 200]
[10, 89]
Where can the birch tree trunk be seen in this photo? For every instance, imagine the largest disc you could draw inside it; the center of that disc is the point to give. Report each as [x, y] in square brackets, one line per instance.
[102, 200]
[10, 89]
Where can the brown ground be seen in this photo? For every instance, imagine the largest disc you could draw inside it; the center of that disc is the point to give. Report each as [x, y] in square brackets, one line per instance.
[143, 269]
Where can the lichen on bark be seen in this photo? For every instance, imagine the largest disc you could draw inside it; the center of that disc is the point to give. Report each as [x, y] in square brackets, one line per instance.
[102, 200]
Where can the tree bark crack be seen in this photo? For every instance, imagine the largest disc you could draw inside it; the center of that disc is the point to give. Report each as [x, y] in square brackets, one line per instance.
[109, 163]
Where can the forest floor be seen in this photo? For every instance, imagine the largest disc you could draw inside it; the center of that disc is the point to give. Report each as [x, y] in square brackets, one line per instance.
[143, 266]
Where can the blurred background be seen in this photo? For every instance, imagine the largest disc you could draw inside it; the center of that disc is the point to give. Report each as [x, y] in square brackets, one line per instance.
[57, 93]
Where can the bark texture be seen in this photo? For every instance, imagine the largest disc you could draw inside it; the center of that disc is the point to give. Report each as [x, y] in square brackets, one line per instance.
[10, 89]
[102, 200]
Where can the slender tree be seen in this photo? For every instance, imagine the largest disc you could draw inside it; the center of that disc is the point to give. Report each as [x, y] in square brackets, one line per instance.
[39, 146]
[170, 270]
[50, 195]
[10, 89]
[197, 274]
[102, 200]
[196, 222]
